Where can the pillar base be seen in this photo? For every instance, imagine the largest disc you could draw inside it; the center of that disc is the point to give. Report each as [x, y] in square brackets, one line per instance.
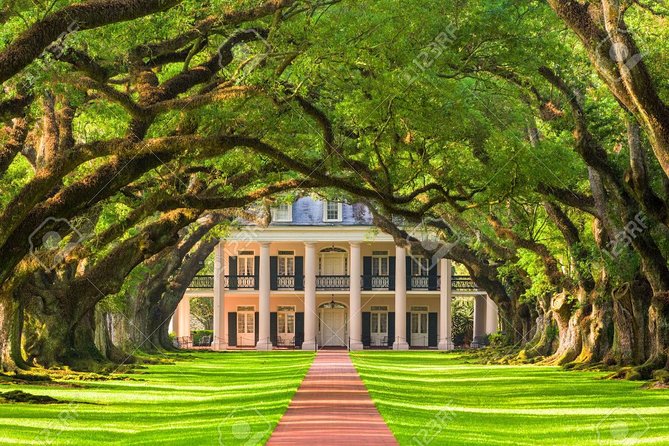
[220, 347]
[445, 345]
[356, 346]
[264, 346]
[400, 345]
[480, 341]
[309, 345]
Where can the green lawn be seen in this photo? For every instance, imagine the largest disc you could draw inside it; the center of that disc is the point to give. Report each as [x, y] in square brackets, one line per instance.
[437, 399]
[427, 398]
[233, 397]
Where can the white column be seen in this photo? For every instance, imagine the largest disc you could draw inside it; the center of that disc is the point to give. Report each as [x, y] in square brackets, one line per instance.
[176, 319]
[445, 301]
[183, 316]
[264, 342]
[492, 316]
[480, 320]
[309, 297]
[355, 301]
[220, 336]
[400, 342]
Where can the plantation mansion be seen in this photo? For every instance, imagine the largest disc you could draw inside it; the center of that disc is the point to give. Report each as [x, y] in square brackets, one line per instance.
[321, 275]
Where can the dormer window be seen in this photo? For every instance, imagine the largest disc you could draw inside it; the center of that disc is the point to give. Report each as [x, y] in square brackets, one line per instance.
[282, 213]
[332, 211]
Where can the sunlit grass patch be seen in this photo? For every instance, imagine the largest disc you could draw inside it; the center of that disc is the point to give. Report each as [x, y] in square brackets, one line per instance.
[200, 399]
[429, 397]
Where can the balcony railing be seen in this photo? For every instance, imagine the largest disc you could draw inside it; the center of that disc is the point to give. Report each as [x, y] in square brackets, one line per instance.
[463, 283]
[379, 282]
[242, 281]
[202, 281]
[420, 282]
[333, 283]
[285, 282]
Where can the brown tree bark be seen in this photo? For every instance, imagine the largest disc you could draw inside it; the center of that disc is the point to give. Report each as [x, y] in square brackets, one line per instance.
[630, 318]
[150, 310]
[65, 303]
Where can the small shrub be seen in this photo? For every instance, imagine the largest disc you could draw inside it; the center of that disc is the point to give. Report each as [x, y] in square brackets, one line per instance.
[499, 339]
[199, 334]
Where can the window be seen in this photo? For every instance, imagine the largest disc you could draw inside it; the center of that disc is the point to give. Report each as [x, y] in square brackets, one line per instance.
[332, 211]
[419, 323]
[282, 213]
[380, 263]
[246, 320]
[286, 263]
[379, 320]
[333, 262]
[246, 263]
[286, 320]
[420, 266]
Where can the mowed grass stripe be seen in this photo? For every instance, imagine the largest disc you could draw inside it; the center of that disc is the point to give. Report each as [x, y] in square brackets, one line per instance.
[199, 400]
[442, 398]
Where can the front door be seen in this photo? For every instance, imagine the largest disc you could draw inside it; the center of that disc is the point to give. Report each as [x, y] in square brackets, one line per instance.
[379, 328]
[419, 327]
[333, 327]
[246, 331]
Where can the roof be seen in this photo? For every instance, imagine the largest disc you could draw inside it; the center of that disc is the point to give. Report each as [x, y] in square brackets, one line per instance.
[309, 212]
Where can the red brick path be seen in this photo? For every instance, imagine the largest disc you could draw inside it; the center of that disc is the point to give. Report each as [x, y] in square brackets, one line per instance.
[332, 407]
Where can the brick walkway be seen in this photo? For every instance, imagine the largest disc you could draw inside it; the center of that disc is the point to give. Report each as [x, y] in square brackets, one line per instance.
[332, 407]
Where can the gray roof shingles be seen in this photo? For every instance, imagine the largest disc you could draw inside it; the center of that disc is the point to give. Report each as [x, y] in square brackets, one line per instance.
[309, 212]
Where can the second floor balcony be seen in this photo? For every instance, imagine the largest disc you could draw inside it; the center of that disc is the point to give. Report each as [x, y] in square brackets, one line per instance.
[335, 283]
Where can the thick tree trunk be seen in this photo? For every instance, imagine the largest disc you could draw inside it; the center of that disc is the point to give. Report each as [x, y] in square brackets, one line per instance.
[596, 331]
[10, 334]
[567, 316]
[658, 326]
[159, 293]
[631, 302]
[104, 340]
[544, 341]
[58, 335]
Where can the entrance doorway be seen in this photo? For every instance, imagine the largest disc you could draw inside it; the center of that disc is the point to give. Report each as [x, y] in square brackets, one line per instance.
[332, 326]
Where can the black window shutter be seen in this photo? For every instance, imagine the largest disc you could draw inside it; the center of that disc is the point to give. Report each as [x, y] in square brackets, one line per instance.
[366, 273]
[232, 329]
[409, 264]
[408, 327]
[256, 326]
[299, 329]
[432, 275]
[273, 272]
[273, 327]
[391, 273]
[232, 273]
[256, 272]
[391, 328]
[432, 323]
[299, 274]
[366, 328]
